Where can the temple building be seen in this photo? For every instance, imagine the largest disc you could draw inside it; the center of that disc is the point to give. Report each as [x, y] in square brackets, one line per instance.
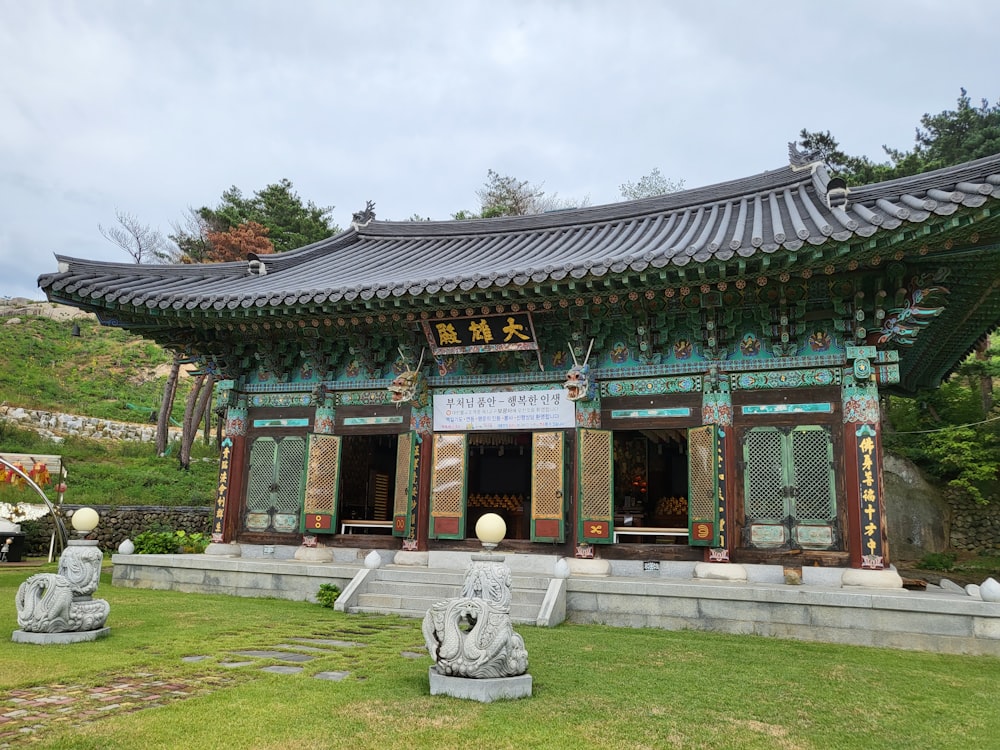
[694, 376]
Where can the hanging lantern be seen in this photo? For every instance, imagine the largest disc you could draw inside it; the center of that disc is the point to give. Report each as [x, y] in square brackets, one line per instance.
[16, 479]
[40, 474]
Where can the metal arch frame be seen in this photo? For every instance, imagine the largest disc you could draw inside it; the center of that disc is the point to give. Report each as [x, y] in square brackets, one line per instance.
[59, 525]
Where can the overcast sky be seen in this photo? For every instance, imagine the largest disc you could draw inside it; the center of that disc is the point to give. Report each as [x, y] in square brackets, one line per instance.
[152, 107]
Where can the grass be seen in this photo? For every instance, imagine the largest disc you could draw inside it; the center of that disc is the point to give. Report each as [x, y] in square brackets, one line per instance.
[593, 686]
[117, 473]
[97, 374]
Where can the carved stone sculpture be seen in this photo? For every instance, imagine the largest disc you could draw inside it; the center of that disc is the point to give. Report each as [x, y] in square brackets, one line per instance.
[472, 635]
[62, 603]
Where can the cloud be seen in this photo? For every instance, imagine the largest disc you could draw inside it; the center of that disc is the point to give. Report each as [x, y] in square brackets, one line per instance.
[151, 108]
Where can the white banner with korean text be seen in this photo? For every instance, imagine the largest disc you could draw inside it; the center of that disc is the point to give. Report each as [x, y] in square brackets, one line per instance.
[504, 410]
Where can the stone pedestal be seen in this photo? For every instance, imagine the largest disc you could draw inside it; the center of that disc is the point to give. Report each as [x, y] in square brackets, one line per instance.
[314, 554]
[871, 579]
[720, 572]
[23, 636]
[222, 549]
[484, 690]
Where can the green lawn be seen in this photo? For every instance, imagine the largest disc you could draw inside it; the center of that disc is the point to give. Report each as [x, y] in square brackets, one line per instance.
[593, 686]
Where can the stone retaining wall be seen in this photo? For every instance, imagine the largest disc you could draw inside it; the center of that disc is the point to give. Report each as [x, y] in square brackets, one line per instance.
[56, 427]
[974, 527]
[120, 523]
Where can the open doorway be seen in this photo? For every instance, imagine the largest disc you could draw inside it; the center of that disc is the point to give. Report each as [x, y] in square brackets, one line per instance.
[499, 481]
[651, 483]
[367, 477]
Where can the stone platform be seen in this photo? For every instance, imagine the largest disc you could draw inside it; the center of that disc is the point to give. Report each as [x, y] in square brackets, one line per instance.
[668, 596]
[82, 636]
[484, 690]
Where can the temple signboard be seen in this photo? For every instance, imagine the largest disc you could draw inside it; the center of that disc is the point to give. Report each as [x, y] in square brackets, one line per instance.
[504, 410]
[481, 333]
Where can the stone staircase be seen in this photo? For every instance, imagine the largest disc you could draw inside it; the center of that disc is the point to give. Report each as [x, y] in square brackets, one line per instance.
[410, 591]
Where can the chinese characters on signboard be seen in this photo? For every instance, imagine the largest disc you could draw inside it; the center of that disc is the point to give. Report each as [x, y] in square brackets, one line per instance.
[483, 333]
[871, 516]
[504, 410]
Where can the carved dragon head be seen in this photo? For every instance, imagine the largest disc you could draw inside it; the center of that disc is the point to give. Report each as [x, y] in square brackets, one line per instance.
[410, 386]
[578, 384]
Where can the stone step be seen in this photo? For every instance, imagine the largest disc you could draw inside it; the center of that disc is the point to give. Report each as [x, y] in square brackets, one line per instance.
[453, 577]
[416, 609]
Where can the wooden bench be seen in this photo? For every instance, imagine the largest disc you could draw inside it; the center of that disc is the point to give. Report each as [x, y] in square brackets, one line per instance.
[346, 526]
[649, 531]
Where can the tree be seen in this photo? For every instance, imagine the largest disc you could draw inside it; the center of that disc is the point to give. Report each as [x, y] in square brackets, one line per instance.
[649, 186]
[197, 402]
[238, 242]
[949, 137]
[141, 242]
[190, 237]
[166, 406]
[290, 222]
[503, 195]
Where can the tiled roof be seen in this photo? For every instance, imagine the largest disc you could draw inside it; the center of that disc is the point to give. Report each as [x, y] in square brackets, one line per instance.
[779, 214]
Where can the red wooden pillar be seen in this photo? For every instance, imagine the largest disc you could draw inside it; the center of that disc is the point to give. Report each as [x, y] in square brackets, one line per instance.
[424, 470]
[867, 539]
[232, 470]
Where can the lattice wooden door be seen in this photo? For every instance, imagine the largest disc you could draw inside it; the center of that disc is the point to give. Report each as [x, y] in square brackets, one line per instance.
[595, 486]
[404, 496]
[548, 487]
[322, 488]
[448, 486]
[274, 484]
[704, 499]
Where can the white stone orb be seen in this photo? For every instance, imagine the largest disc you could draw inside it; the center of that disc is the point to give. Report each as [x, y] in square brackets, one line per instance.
[491, 529]
[989, 590]
[85, 519]
[127, 547]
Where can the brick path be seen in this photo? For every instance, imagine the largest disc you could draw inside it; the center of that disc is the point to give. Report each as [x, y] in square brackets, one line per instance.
[29, 710]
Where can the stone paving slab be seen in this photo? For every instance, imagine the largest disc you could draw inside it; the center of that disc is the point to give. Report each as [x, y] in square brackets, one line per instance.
[280, 655]
[282, 669]
[329, 642]
[332, 676]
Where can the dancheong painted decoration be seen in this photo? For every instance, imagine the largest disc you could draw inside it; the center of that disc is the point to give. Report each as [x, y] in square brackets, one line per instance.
[695, 376]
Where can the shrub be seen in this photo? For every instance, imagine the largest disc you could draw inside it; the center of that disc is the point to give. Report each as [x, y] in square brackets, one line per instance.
[327, 595]
[156, 543]
[938, 561]
[191, 542]
[160, 541]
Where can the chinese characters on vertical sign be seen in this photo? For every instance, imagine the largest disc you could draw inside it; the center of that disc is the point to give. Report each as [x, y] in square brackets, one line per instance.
[721, 553]
[483, 333]
[223, 491]
[872, 555]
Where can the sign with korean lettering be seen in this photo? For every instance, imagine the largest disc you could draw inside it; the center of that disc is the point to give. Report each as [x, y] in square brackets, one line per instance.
[504, 410]
[482, 333]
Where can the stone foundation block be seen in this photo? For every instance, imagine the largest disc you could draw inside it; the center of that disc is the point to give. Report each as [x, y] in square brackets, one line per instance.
[485, 690]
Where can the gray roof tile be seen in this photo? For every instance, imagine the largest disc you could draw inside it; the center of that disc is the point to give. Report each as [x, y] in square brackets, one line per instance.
[780, 210]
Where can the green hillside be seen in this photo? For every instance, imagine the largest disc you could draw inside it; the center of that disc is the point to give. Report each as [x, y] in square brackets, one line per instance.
[98, 373]
[106, 373]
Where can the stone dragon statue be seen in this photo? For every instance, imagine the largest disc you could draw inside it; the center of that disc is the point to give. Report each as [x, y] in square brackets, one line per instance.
[61, 602]
[472, 635]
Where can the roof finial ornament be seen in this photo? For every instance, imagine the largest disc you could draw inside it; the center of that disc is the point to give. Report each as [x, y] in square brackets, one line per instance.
[800, 160]
[363, 218]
